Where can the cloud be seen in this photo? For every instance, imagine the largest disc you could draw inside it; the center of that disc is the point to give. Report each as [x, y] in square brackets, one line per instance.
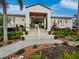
[14, 9]
[72, 4]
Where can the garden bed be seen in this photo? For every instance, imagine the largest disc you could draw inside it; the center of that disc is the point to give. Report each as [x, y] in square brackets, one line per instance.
[12, 38]
[59, 52]
[64, 33]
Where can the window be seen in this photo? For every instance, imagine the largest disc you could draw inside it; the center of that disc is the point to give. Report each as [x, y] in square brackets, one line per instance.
[9, 19]
[22, 19]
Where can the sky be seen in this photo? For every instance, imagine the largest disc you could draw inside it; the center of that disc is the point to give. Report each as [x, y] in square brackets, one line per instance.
[58, 7]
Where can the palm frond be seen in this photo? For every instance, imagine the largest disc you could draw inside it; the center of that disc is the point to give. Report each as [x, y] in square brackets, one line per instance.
[20, 4]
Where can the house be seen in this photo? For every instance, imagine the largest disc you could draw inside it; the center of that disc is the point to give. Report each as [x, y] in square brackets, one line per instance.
[39, 14]
[42, 14]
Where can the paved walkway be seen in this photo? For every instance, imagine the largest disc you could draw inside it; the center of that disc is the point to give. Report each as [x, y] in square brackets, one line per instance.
[33, 34]
[31, 39]
[7, 50]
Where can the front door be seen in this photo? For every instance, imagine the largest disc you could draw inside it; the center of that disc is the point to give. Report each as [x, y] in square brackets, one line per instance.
[35, 22]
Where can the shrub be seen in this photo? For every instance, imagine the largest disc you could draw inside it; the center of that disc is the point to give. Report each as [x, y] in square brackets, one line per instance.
[1, 38]
[35, 56]
[1, 45]
[55, 37]
[14, 35]
[70, 55]
[75, 37]
[59, 36]
[11, 29]
[22, 38]
[9, 42]
[26, 32]
[65, 43]
[56, 29]
[35, 46]
[49, 32]
[20, 51]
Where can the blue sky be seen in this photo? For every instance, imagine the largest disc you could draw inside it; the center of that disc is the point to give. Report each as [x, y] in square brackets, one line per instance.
[59, 7]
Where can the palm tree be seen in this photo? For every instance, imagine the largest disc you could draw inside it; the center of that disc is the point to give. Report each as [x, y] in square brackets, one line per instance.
[4, 7]
[78, 14]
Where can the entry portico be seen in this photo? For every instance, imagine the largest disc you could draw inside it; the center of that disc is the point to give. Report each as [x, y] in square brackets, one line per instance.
[38, 13]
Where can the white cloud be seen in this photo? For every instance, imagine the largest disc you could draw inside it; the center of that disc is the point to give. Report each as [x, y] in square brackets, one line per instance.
[72, 4]
[14, 9]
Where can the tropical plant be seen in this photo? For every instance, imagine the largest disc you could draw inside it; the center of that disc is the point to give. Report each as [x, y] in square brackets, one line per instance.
[35, 56]
[1, 21]
[69, 55]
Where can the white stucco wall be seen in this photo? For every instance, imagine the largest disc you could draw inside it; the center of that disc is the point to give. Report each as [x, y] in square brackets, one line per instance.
[62, 22]
[18, 20]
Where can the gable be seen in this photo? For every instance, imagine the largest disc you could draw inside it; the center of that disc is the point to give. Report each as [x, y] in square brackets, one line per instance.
[37, 4]
[38, 7]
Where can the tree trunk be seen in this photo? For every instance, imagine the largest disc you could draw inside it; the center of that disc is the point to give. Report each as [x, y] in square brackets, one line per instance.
[5, 28]
[5, 20]
[78, 14]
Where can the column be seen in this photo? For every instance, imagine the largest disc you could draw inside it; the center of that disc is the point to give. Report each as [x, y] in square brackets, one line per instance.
[45, 23]
[27, 21]
[49, 22]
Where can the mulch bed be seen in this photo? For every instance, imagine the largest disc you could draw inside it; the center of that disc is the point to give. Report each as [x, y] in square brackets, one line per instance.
[30, 50]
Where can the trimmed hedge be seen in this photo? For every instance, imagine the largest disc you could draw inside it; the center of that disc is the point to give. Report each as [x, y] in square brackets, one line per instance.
[75, 37]
[12, 35]
[62, 33]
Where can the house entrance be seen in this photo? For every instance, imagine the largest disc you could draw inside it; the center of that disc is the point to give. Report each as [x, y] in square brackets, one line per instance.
[38, 19]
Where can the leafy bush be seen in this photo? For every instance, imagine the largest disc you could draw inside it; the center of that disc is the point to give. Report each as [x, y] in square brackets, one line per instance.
[14, 35]
[59, 36]
[56, 29]
[49, 32]
[1, 45]
[11, 29]
[65, 43]
[26, 32]
[1, 38]
[75, 37]
[35, 46]
[20, 51]
[70, 55]
[35, 56]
